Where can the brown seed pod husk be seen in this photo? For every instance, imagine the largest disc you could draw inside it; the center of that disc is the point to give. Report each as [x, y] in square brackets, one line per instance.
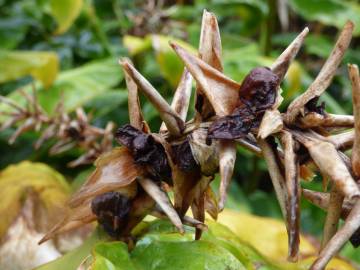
[330, 163]
[324, 78]
[282, 63]
[313, 119]
[114, 170]
[351, 225]
[334, 210]
[135, 113]
[162, 199]
[172, 120]
[276, 174]
[293, 194]
[181, 100]
[226, 165]
[221, 91]
[355, 82]
[210, 52]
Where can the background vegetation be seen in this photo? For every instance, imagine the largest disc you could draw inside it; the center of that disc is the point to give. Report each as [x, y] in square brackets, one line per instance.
[71, 47]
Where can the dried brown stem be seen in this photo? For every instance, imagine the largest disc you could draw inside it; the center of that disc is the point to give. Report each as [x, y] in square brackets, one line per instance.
[351, 225]
[172, 120]
[163, 200]
[355, 82]
[221, 91]
[328, 160]
[135, 114]
[333, 215]
[181, 100]
[293, 194]
[313, 119]
[324, 78]
[275, 174]
[282, 63]
[226, 165]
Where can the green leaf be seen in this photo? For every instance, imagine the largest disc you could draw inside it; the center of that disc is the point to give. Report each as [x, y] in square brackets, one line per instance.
[185, 255]
[329, 12]
[65, 12]
[113, 255]
[41, 65]
[77, 86]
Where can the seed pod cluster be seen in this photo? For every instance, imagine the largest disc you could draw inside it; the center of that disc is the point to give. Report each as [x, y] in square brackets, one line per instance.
[68, 131]
[132, 181]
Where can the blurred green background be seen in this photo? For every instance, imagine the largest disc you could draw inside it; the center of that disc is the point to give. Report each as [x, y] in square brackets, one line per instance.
[72, 47]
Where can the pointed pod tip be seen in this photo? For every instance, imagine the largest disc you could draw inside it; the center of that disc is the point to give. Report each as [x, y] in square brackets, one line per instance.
[44, 239]
[349, 23]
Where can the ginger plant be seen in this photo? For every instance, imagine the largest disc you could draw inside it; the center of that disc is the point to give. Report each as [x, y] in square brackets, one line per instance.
[133, 180]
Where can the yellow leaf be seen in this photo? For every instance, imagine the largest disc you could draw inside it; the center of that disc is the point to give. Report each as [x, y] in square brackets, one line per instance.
[269, 237]
[65, 12]
[17, 180]
[136, 45]
[43, 66]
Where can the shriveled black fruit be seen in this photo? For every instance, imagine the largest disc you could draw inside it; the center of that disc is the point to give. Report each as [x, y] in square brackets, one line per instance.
[146, 151]
[233, 126]
[257, 94]
[258, 89]
[312, 106]
[355, 239]
[183, 157]
[111, 209]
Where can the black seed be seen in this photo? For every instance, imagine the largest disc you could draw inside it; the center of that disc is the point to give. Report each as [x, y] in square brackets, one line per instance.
[311, 106]
[111, 210]
[183, 157]
[146, 151]
[355, 239]
[257, 94]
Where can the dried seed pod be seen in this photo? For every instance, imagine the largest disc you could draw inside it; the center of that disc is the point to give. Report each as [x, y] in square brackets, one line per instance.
[325, 76]
[355, 82]
[282, 63]
[322, 200]
[162, 199]
[221, 91]
[181, 100]
[135, 114]
[293, 194]
[227, 158]
[114, 170]
[351, 225]
[330, 163]
[172, 120]
[276, 174]
[333, 215]
[209, 52]
[206, 155]
[314, 119]
[271, 123]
